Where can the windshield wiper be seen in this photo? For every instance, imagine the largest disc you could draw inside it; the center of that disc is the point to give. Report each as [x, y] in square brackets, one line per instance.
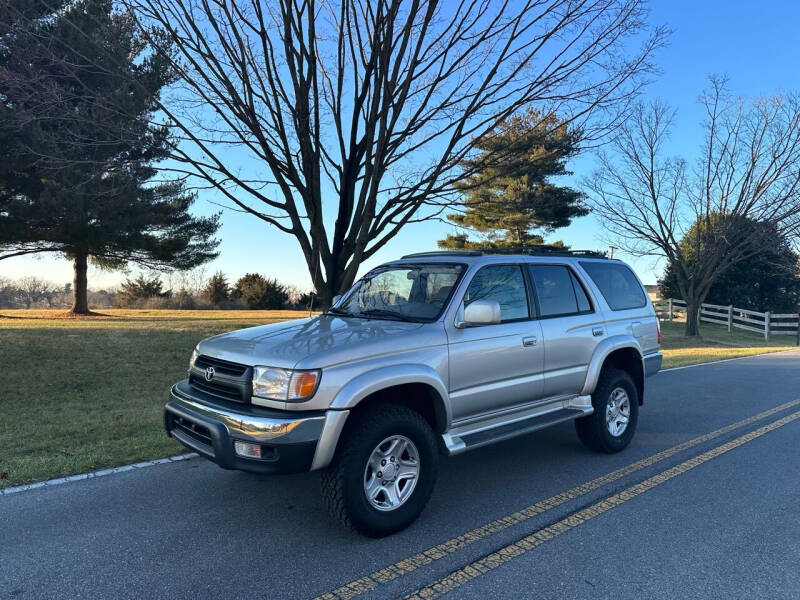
[339, 312]
[381, 312]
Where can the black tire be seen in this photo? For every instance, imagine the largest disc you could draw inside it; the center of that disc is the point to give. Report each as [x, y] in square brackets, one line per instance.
[343, 481]
[592, 430]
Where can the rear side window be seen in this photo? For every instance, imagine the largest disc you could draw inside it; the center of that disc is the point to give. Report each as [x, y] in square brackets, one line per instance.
[580, 294]
[503, 283]
[617, 283]
[558, 291]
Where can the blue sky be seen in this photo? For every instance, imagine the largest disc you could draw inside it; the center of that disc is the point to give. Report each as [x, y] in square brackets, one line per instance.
[754, 43]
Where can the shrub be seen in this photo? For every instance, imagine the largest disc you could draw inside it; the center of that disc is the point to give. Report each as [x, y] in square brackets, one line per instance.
[135, 292]
[259, 292]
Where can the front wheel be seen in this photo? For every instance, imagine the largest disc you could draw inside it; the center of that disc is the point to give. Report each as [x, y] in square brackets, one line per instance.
[384, 470]
[610, 428]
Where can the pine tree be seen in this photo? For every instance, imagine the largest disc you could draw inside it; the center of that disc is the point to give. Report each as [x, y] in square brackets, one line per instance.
[80, 89]
[513, 197]
[217, 289]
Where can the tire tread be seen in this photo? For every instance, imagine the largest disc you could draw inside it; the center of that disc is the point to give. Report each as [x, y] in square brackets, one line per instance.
[591, 429]
[334, 477]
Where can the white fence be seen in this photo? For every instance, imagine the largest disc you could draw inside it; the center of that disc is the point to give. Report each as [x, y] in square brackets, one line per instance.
[765, 323]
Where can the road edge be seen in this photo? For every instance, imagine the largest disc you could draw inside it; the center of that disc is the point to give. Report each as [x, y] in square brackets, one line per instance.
[191, 455]
[99, 473]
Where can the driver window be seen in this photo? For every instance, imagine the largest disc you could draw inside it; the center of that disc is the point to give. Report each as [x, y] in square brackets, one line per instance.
[506, 285]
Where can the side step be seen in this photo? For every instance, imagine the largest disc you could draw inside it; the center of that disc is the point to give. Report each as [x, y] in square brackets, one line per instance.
[468, 441]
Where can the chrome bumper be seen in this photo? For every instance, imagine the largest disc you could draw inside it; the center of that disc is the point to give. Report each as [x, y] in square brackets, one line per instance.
[295, 442]
[652, 363]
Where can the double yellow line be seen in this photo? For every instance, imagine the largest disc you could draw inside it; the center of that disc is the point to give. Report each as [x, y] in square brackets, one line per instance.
[374, 580]
[537, 538]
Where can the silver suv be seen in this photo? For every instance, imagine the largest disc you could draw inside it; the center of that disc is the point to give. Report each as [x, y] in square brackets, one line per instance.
[436, 353]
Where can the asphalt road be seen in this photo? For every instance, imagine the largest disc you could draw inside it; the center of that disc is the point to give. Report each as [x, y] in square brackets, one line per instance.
[707, 504]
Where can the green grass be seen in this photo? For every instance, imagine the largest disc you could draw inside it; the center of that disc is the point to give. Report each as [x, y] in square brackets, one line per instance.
[88, 393]
[84, 394]
[715, 343]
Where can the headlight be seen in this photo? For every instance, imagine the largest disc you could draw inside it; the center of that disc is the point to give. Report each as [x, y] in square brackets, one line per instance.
[193, 358]
[285, 385]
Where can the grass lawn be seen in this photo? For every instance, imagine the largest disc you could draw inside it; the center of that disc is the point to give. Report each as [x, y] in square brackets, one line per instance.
[79, 394]
[715, 343]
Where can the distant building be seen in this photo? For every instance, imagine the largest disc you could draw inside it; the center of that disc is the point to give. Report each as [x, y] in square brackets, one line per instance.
[652, 291]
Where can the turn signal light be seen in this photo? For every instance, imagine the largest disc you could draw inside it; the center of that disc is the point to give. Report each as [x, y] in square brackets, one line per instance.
[303, 384]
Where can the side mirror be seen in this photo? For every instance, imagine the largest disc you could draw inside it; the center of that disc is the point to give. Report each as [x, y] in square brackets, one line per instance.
[480, 312]
[335, 300]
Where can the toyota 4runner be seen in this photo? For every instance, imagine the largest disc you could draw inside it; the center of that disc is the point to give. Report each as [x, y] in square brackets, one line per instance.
[434, 354]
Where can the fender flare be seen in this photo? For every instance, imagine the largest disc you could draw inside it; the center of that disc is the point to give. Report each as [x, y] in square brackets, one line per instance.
[358, 388]
[604, 348]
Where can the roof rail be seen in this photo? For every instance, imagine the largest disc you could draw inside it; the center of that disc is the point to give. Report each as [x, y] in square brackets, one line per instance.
[445, 253]
[544, 250]
[530, 250]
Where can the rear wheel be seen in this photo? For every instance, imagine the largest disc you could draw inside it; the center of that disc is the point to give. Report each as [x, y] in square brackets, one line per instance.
[610, 428]
[384, 470]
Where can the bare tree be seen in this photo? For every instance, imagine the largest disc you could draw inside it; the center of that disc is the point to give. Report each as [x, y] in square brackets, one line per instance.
[8, 293]
[361, 112]
[33, 290]
[701, 219]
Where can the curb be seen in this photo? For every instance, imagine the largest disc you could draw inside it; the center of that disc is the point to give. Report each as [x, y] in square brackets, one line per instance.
[100, 473]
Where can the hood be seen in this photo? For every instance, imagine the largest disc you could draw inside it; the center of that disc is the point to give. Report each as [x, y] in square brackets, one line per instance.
[316, 342]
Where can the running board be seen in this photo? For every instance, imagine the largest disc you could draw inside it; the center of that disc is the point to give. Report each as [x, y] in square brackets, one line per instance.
[459, 442]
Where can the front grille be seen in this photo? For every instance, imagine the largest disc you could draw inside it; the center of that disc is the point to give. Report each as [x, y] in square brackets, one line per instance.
[219, 390]
[223, 367]
[197, 432]
[230, 381]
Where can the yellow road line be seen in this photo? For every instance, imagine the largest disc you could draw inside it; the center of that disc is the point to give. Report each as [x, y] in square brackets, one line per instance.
[426, 557]
[538, 538]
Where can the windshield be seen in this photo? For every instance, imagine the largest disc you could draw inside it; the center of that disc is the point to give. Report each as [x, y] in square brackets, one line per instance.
[408, 292]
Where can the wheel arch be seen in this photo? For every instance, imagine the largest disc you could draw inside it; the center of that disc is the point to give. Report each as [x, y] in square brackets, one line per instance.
[621, 352]
[417, 387]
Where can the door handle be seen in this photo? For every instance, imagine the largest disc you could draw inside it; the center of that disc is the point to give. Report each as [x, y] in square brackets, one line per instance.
[529, 341]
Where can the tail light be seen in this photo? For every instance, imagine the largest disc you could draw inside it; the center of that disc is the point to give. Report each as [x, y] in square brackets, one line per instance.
[658, 325]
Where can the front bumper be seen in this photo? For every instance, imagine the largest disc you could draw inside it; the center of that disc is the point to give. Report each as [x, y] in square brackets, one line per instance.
[652, 363]
[290, 442]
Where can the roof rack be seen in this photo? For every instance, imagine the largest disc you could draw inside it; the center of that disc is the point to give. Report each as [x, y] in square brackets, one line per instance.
[544, 250]
[445, 253]
[531, 250]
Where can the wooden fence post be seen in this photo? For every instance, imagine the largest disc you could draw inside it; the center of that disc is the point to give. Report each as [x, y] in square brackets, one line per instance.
[730, 317]
[669, 308]
[798, 329]
[699, 314]
[766, 326]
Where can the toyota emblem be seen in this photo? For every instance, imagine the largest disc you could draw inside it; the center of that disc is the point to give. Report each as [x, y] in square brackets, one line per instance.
[209, 373]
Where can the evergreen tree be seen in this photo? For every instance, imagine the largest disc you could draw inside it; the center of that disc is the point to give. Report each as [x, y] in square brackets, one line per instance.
[82, 177]
[513, 197]
[217, 289]
[768, 281]
[259, 292]
[133, 291]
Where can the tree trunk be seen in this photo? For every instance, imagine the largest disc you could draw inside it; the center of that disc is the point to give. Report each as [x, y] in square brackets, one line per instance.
[80, 300]
[334, 283]
[692, 327]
